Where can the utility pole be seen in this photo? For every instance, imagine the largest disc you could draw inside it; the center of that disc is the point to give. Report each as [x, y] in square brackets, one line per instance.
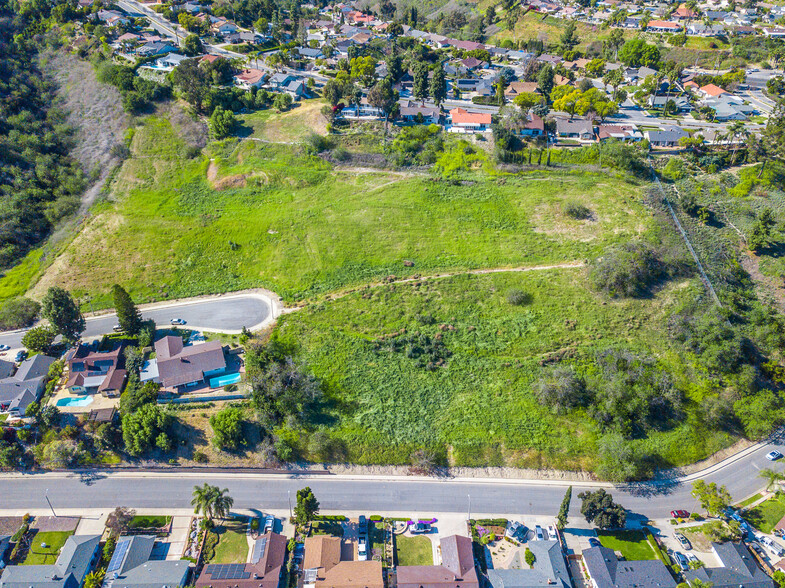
[46, 495]
[289, 493]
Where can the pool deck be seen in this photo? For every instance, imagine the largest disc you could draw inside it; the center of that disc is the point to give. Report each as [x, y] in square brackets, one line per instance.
[98, 402]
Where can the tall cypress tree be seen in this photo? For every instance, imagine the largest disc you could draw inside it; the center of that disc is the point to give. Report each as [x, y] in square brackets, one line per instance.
[128, 315]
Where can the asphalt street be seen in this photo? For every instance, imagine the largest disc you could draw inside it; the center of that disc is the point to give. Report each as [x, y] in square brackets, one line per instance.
[336, 493]
[221, 314]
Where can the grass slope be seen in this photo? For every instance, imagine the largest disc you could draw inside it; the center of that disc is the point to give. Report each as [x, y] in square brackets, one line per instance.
[289, 222]
[767, 514]
[479, 409]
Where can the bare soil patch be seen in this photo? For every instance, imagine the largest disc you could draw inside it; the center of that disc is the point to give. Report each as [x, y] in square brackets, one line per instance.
[10, 525]
[773, 288]
[47, 524]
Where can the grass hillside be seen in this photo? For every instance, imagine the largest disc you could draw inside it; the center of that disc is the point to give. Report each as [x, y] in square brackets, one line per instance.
[258, 214]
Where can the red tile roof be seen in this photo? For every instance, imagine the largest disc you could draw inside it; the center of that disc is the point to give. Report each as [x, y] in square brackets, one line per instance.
[460, 116]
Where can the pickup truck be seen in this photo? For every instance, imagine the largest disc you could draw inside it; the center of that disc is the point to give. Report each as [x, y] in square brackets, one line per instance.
[362, 548]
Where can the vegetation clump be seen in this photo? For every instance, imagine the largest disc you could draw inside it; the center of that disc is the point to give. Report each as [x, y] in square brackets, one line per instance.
[628, 270]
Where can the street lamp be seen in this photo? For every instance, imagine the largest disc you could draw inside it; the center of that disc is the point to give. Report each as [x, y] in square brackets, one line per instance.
[289, 494]
[46, 495]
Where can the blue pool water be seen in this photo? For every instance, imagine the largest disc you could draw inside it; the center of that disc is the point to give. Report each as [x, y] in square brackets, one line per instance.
[78, 401]
[225, 380]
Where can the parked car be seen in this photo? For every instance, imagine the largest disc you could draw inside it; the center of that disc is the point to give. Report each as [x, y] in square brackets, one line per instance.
[21, 356]
[513, 529]
[539, 533]
[683, 541]
[772, 545]
[681, 560]
[363, 524]
[362, 548]
[552, 535]
[117, 328]
[420, 528]
[269, 523]
[177, 321]
[5, 347]
[680, 514]
[594, 542]
[773, 455]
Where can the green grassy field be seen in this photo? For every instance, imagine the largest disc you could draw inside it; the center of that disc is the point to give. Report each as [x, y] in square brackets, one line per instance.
[479, 409]
[632, 544]
[767, 514]
[232, 543]
[287, 221]
[413, 551]
[54, 541]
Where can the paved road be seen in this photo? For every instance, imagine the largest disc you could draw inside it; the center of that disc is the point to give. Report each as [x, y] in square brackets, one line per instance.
[413, 495]
[230, 313]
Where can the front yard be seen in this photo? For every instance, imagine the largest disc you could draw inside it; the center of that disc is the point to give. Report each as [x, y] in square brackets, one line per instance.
[45, 547]
[232, 543]
[632, 544]
[149, 522]
[767, 514]
[413, 551]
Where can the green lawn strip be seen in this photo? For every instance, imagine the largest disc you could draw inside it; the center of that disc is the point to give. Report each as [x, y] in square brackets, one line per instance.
[54, 541]
[413, 551]
[632, 544]
[750, 500]
[301, 228]
[232, 543]
[149, 521]
[767, 514]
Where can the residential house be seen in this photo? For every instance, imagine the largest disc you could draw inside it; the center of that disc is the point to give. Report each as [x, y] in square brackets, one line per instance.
[606, 571]
[466, 84]
[224, 27]
[170, 61]
[78, 556]
[250, 78]
[177, 367]
[456, 570]
[549, 569]
[725, 110]
[362, 109]
[309, 53]
[465, 45]
[131, 566]
[711, 91]
[112, 18]
[263, 571]
[577, 128]
[5, 543]
[471, 63]
[738, 570]
[91, 371]
[18, 390]
[152, 48]
[409, 111]
[667, 137]
[663, 26]
[560, 80]
[684, 13]
[681, 102]
[529, 125]
[463, 121]
[702, 30]
[627, 133]
[515, 88]
[774, 32]
[549, 59]
[323, 567]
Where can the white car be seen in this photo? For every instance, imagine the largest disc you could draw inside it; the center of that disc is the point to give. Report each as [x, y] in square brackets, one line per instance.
[552, 536]
[773, 455]
[362, 548]
[539, 533]
[177, 321]
[5, 347]
[513, 529]
[269, 523]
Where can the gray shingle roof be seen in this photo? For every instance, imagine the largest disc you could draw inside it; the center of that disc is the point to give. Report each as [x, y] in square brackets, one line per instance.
[67, 572]
[739, 569]
[155, 574]
[35, 367]
[609, 572]
[549, 569]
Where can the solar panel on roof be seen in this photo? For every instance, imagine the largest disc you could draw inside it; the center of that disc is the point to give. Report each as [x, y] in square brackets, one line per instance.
[228, 572]
[258, 549]
[117, 557]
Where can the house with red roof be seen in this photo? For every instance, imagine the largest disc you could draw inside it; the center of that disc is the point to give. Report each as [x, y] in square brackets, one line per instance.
[463, 121]
[663, 26]
[711, 91]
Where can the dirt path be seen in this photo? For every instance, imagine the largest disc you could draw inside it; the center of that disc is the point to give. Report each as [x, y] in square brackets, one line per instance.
[773, 287]
[476, 272]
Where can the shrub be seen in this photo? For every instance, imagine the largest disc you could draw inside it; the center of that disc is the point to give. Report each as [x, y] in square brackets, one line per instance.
[576, 210]
[561, 389]
[626, 270]
[200, 457]
[529, 557]
[18, 313]
[518, 297]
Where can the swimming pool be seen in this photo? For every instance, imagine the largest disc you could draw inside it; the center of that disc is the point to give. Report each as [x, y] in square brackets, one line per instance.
[225, 380]
[77, 401]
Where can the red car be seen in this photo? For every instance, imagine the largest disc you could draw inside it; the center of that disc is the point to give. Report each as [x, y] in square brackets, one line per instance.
[680, 514]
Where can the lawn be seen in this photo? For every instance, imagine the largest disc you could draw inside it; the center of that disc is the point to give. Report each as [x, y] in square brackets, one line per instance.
[54, 541]
[285, 127]
[479, 409]
[767, 514]
[149, 521]
[232, 543]
[750, 500]
[632, 544]
[289, 222]
[413, 551]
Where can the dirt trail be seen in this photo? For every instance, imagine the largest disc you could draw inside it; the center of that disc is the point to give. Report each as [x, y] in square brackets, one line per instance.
[476, 272]
[773, 287]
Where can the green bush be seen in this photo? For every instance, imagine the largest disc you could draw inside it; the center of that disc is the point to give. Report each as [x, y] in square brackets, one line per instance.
[517, 297]
[628, 270]
[576, 210]
[529, 557]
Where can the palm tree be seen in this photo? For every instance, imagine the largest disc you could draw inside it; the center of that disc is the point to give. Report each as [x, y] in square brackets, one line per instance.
[95, 579]
[737, 130]
[771, 477]
[211, 501]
